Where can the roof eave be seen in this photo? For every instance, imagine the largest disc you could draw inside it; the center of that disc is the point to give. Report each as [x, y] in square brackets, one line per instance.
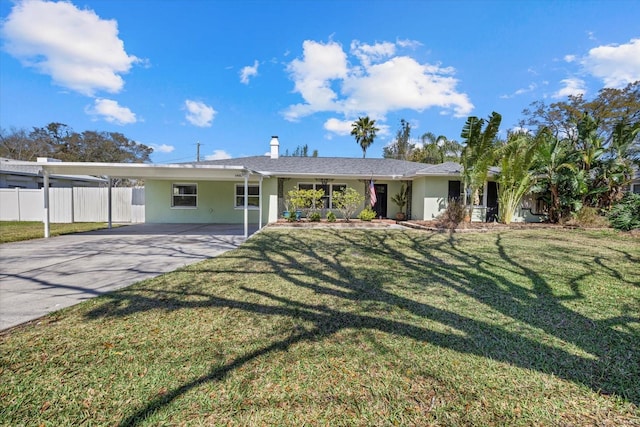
[394, 177]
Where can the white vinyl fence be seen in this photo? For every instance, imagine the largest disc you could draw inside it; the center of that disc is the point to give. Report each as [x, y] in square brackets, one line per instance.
[78, 204]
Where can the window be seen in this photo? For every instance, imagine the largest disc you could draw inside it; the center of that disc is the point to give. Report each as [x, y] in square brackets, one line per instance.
[184, 196]
[636, 188]
[455, 190]
[254, 196]
[329, 189]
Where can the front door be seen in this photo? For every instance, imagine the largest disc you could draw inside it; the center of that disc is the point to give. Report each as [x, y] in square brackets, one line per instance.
[381, 204]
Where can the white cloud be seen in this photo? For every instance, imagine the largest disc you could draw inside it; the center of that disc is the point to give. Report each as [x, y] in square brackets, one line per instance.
[572, 86]
[569, 58]
[78, 49]
[381, 82]
[218, 155]
[312, 75]
[367, 53]
[112, 112]
[198, 113]
[520, 91]
[616, 65]
[402, 82]
[408, 43]
[248, 72]
[339, 127]
[164, 148]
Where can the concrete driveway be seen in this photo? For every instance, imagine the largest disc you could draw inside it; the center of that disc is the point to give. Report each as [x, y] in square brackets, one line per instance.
[44, 275]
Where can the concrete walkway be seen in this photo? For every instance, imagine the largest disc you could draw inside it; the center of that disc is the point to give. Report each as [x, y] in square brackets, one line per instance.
[44, 275]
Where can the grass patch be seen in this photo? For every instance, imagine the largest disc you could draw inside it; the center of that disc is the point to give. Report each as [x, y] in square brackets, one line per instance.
[349, 327]
[15, 231]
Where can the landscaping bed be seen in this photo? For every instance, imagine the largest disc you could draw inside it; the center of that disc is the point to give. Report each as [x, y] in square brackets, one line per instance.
[338, 223]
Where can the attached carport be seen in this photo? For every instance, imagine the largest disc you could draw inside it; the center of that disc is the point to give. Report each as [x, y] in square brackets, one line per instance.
[150, 171]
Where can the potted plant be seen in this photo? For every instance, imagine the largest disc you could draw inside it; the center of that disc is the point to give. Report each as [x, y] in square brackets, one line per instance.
[286, 214]
[401, 199]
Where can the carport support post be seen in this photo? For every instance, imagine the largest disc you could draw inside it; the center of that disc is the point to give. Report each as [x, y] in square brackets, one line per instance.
[45, 193]
[260, 204]
[109, 202]
[246, 205]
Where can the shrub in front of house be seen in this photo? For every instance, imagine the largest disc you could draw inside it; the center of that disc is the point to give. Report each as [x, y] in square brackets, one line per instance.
[453, 215]
[367, 214]
[314, 217]
[625, 215]
[347, 201]
[331, 217]
[589, 217]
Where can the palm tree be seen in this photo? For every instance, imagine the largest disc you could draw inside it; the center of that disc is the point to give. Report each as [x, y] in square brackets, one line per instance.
[589, 143]
[364, 131]
[478, 153]
[557, 168]
[517, 175]
[616, 170]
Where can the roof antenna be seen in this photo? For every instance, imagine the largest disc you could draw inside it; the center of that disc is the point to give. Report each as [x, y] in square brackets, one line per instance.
[198, 151]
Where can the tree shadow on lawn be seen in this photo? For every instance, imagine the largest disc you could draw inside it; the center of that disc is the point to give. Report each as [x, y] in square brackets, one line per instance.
[498, 283]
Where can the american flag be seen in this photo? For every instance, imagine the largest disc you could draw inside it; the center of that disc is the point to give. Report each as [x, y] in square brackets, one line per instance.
[372, 193]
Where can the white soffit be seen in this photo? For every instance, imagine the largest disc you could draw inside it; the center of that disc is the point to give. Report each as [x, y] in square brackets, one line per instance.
[150, 171]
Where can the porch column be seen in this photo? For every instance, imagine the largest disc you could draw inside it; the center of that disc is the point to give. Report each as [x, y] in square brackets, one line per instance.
[246, 205]
[260, 204]
[485, 189]
[109, 203]
[45, 193]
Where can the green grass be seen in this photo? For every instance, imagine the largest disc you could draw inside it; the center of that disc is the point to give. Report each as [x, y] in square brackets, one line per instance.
[349, 327]
[15, 231]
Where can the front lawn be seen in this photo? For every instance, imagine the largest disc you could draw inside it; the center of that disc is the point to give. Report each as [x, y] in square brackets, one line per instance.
[15, 231]
[349, 327]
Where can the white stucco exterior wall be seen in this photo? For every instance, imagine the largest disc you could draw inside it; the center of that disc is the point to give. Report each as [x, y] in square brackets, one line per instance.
[431, 196]
[215, 203]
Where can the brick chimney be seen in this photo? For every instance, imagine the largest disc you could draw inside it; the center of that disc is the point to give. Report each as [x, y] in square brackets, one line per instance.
[275, 147]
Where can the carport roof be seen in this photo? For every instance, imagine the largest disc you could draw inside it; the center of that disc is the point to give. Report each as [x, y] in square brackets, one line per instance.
[151, 171]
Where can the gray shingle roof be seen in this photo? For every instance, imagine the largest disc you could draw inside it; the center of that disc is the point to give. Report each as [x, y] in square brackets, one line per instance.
[449, 169]
[338, 166]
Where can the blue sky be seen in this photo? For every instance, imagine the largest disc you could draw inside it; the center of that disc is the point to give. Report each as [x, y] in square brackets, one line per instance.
[230, 74]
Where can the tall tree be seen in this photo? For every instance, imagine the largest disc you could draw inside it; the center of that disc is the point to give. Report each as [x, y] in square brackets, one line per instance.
[16, 144]
[436, 149]
[364, 131]
[401, 148]
[478, 154]
[614, 170]
[603, 132]
[60, 141]
[301, 151]
[608, 108]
